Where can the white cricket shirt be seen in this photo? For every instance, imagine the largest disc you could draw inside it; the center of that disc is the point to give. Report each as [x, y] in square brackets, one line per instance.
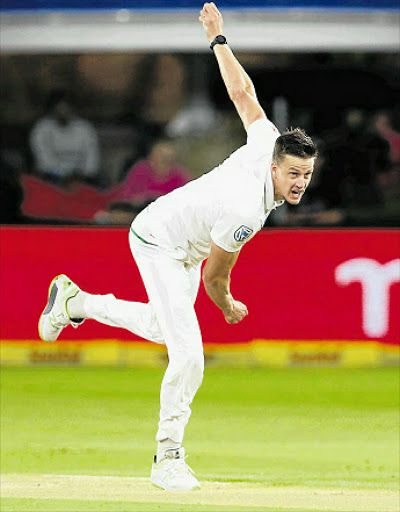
[228, 205]
[62, 149]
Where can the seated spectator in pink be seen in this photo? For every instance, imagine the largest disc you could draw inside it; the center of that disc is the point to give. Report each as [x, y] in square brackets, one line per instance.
[153, 177]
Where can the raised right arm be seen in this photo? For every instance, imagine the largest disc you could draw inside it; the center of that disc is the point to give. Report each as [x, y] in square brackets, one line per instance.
[238, 83]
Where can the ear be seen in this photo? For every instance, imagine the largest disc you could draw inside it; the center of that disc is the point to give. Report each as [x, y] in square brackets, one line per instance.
[274, 168]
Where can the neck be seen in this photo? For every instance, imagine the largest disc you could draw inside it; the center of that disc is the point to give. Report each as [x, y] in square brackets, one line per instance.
[277, 195]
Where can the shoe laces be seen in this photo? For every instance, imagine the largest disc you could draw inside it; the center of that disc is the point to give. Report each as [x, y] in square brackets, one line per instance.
[59, 321]
[178, 467]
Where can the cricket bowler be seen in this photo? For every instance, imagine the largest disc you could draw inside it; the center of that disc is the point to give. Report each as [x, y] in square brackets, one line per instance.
[210, 219]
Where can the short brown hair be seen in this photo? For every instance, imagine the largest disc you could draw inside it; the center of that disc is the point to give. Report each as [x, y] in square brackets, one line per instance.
[294, 142]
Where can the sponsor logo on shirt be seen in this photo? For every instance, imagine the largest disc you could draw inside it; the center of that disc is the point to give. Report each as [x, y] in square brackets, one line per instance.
[242, 233]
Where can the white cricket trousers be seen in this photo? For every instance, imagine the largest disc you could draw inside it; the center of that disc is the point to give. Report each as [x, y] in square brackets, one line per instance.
[168, 318]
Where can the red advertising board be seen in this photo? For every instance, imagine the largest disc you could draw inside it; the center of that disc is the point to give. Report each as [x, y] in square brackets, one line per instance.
[309, 285]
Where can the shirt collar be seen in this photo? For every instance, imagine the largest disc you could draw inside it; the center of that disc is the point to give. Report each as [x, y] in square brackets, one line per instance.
[269, 195]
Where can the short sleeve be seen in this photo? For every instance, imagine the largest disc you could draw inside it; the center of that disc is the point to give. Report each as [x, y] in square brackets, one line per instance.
[261, 137]
[231, 233]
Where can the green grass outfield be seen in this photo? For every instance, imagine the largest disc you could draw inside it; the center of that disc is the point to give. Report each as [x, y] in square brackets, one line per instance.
[82, 439]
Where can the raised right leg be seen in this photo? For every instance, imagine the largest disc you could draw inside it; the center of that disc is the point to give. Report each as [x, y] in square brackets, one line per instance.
[136, 317]
[67, 304]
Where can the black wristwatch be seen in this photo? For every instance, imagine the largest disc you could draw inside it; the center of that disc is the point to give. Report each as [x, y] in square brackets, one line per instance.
[218, 40]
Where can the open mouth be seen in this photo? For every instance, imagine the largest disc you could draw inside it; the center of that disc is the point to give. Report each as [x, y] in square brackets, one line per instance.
[296, 194]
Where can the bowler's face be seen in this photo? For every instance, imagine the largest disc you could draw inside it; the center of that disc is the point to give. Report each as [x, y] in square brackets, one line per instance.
[291, 176]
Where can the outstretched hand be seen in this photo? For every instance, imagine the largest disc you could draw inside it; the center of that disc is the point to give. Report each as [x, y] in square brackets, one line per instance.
[212, 21]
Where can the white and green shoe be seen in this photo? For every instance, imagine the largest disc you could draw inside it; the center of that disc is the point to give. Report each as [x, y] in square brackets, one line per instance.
[55, 315]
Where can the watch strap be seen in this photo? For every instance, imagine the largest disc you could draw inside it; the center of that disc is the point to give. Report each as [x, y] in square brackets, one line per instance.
[218, 40]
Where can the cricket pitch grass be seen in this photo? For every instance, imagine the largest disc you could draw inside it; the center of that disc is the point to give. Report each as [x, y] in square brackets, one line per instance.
[82, 439]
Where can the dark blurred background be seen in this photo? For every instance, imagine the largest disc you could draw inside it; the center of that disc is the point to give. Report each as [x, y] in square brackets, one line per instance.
[104, 109]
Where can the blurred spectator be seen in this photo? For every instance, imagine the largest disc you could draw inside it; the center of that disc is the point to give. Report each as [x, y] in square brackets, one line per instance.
[355, 156]
[157, 175]
[146, 180]
[64, 146]
[389, 181]
[382, 123]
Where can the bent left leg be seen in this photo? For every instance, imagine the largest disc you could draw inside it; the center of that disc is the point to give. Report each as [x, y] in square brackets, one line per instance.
[172, 289]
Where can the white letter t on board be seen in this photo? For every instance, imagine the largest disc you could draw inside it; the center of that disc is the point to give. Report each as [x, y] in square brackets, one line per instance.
[375, 280]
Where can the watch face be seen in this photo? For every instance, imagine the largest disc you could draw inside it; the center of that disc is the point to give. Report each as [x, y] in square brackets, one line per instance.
[218, 40]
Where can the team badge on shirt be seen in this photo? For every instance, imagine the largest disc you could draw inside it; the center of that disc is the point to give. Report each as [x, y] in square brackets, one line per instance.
[242, 233]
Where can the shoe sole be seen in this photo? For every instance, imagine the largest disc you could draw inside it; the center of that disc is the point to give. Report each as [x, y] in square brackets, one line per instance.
[161, 486]
[51, 297]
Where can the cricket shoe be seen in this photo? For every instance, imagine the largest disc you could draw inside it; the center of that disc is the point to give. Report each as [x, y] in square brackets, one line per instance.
[172, 473]
[55, 315]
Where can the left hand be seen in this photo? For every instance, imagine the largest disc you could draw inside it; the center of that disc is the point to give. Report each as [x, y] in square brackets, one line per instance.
[237, 312]
[212, 21]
